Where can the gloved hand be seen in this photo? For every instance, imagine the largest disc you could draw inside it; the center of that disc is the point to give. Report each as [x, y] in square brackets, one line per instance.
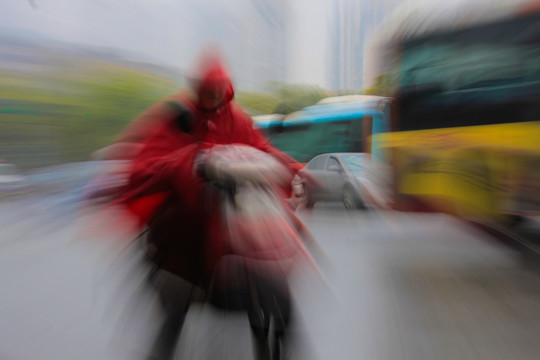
[236, 164]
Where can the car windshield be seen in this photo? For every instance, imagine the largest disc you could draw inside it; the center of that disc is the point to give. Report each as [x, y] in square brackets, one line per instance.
[353, 163]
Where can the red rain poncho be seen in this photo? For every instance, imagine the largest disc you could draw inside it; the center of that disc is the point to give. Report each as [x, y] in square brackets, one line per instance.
[186, 229]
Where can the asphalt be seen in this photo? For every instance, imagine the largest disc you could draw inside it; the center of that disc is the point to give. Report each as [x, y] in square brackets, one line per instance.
[398, 286]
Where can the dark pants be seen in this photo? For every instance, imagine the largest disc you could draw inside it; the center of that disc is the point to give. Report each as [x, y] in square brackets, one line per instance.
[259, 289]
[175, 295]
[234, 288]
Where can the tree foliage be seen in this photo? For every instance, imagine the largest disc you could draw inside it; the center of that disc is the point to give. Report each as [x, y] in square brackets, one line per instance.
[257, 103]
[296, 97]
[281, 98]
[384, 85]
[63, 116]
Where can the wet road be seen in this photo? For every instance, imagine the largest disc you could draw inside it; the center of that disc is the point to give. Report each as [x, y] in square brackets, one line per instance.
[400, 286]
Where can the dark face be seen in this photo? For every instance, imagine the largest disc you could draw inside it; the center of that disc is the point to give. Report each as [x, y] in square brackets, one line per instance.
[212, 98]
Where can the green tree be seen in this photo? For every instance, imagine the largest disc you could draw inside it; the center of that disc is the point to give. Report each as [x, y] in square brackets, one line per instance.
[113, 99]
[281, 98]
[294, 97]
[68, 113]
[384, 85]
[257, 103]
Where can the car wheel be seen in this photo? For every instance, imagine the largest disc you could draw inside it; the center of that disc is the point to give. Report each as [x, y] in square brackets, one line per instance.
[307, 198]
[351, 200]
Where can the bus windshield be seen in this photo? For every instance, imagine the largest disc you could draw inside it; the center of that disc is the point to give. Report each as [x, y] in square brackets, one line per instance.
[304, 141]
[478, 68]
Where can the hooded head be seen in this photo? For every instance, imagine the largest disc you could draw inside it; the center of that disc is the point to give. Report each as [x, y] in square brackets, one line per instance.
[211, 81]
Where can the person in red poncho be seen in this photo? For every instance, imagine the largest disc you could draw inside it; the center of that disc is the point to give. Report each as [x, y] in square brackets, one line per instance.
[171, 198]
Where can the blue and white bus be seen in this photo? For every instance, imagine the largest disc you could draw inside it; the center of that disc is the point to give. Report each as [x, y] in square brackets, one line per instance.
[337, 124]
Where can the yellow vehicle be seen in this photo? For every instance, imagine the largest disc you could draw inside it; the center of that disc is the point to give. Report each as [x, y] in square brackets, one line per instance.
[465, 128]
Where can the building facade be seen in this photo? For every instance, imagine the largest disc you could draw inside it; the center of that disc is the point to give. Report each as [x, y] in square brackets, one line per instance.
[352, 24]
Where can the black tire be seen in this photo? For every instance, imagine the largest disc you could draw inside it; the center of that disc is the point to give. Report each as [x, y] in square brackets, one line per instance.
[269, 314]
[307, 199]
[351, 200]
[277, 346]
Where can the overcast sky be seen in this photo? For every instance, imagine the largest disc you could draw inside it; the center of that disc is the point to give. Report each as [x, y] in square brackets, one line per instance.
[163, 29]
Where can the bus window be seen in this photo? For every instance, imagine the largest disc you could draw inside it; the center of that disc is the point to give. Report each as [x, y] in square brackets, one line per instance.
[305, 141]
[482, 75]
[299, 141]
[355, 135]
[367, 130]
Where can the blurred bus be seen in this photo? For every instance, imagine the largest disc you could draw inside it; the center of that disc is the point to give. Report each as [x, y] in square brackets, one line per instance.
[337, 124]
[465, 131]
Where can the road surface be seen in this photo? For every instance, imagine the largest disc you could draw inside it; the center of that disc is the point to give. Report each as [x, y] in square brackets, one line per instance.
[399, 286]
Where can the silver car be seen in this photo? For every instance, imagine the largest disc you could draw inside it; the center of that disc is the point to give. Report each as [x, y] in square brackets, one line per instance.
[349, 177]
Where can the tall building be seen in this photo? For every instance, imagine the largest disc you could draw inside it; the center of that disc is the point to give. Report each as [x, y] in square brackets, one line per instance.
[270, 47]
[266, 44]
[352, 24]
[255, 38]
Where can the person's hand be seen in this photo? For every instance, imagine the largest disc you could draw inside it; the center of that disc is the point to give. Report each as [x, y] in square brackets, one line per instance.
[238, 164]
[224, 172]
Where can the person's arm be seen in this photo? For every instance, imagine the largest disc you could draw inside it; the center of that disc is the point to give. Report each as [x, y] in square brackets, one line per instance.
[248, 135]
[164, 163]
[138, 130]
[129, 142]
[251, 136]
